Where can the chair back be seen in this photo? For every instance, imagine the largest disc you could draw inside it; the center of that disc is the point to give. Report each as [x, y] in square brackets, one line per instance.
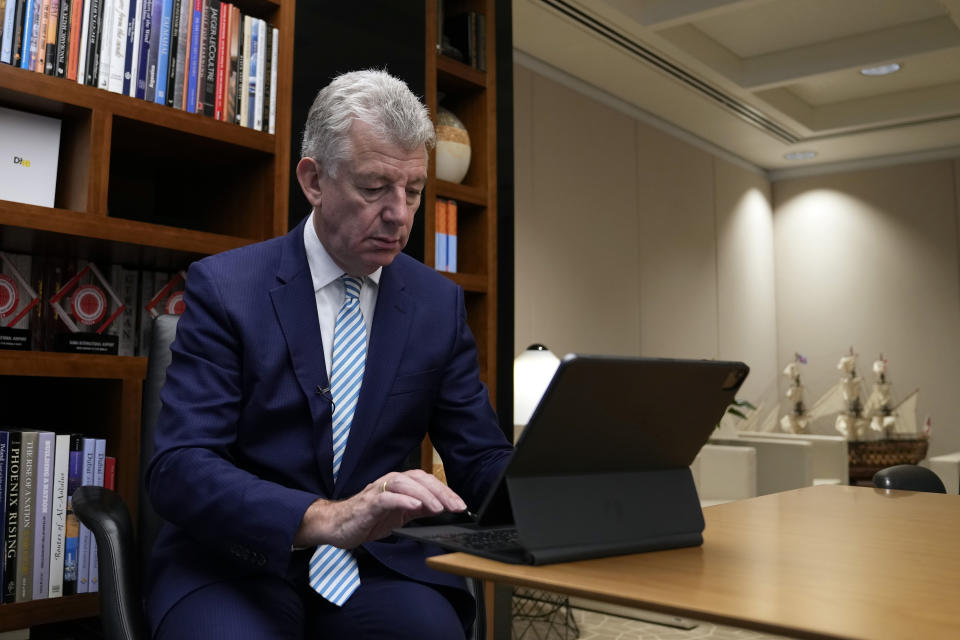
[164, 331]
[908, 477]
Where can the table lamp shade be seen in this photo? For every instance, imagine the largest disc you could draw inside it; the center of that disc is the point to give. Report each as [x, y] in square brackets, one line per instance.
[532, 371]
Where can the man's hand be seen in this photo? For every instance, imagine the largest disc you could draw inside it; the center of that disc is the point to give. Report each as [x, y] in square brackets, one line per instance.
[383, 505]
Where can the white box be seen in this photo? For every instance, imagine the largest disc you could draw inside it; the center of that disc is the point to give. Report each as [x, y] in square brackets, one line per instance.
[29, 153]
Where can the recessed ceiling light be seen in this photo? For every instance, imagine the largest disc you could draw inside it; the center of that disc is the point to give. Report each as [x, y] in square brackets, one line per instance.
[800, 155]
[881, 70]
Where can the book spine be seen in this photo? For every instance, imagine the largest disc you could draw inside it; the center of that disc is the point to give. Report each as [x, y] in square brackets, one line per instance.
[110, 473]
[19, 26]
[39, 50]
[84, 41]
[174, 52]
[99, 460]
[253, 78]
[71, 534]
[243, 91]
[6, 38]
[163, 51]
[243, 50]
[58, 513]
[146, 34]
[230, 96]
[76, 35]
[12, 516]
[28, 480]
[452, 236]
[43, 524]
[50, 44]
[153, 52]
[130, 36]
[272, 122]
[223, 34]
[63, 39]
[118, 45]
[209, 56]
[135, 34]
[27, 34]
[105, 44]
[441, 235]
[83, 545]
[265, 74]
[183, 52]
[196, 23]
[4, 462]
[92, 68]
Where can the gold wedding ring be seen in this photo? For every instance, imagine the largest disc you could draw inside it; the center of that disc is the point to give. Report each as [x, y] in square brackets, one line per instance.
[383, 487]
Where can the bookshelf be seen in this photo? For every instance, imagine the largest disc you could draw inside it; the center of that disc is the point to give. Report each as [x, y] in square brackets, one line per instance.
[471, 95]
[149, 187]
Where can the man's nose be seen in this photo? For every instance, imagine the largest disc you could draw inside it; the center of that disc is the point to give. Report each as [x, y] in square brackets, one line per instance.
[395, 205]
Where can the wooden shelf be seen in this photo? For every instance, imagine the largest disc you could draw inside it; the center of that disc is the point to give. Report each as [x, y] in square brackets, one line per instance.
[32, 220]
[461, 192]
[69, 365]
[19, 615]
[453, 73]
[47, 94]
[469, 281]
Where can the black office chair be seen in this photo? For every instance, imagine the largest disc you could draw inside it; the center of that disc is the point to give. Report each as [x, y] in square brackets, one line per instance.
[908, 477]
[123, 561]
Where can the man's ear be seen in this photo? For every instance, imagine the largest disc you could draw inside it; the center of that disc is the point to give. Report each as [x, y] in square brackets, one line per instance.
[308, 175]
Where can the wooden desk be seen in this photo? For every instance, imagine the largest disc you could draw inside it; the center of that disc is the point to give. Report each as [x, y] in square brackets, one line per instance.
[819, 562]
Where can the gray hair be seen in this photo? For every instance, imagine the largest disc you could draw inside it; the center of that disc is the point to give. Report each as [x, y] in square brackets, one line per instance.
[375, 98]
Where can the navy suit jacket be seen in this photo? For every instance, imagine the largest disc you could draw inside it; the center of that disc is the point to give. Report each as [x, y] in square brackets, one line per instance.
[243, 443]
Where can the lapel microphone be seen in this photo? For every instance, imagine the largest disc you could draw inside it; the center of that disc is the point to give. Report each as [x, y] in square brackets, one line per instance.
[325, 392]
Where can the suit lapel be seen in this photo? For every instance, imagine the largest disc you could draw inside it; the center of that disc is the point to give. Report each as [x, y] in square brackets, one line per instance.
[391, 324]
[295, 304]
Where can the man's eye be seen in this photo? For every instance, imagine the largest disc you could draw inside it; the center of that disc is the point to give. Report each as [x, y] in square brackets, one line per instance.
[371, 190]
[413, 194]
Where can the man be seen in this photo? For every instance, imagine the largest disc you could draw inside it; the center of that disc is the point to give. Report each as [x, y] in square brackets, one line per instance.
[305, 369]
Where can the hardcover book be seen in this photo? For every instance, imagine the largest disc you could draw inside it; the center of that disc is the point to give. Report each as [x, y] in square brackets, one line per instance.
[88, 457]
[99, 463]
[11, 523]
[58, 513]
[71, 541]
[4, 461]
[43, 522]
[28, 479]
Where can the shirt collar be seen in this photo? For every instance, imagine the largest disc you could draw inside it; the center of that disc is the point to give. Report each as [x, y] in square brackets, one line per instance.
[323, 270]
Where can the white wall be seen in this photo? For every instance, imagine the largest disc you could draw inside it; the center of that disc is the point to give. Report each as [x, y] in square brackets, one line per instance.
[630, 241]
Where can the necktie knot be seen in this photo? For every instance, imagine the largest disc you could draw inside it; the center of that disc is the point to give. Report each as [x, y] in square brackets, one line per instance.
[351, 286]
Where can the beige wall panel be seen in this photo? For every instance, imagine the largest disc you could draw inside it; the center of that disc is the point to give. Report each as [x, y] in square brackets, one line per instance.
[577, 254]
[524, 255]
[747, 318]
[678, 272]
[869, 259]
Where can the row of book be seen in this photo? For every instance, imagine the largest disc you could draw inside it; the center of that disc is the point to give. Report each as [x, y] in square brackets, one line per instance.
[47, 551]
[445, 245]
[201, 56]
[76, 306]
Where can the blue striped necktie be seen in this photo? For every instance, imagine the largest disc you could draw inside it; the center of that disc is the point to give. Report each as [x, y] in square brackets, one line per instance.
[333, 571]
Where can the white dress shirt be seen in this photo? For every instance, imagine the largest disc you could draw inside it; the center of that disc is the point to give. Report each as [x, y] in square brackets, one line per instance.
[329, 291]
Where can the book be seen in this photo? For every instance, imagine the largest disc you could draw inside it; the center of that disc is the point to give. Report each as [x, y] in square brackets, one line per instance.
[243, 87]
[63, 39]
[134, 35]
[43, 523]
[110, 473]
[272, 116]
[163, 51]
[209, 57]
[39, 56]
[452, 236]
[146, 36]
[128, 46]
[261, 31]
[105, 44]
[92, 69]
[28, 12]
[125, 326]
[175, 13]
[75, 37]
[50, 42]
[83, 42]
[6, 37]
[236, 44]
[202, 54]
[71, 538]
[16, 45]
[11, 523]
[4, 461]
[116, 47]
[183, 52]
[223, 31]
[100, 454]
[196, 22]
[267, 78]
[153, 51]
[58, 513]
[440, 235]
[253, 76]
[28, 479]
[88, 458]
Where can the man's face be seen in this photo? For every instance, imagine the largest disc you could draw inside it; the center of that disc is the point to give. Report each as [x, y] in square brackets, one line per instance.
[364, 215]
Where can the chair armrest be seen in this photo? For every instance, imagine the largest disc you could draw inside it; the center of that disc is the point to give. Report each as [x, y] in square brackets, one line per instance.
[121, 608]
